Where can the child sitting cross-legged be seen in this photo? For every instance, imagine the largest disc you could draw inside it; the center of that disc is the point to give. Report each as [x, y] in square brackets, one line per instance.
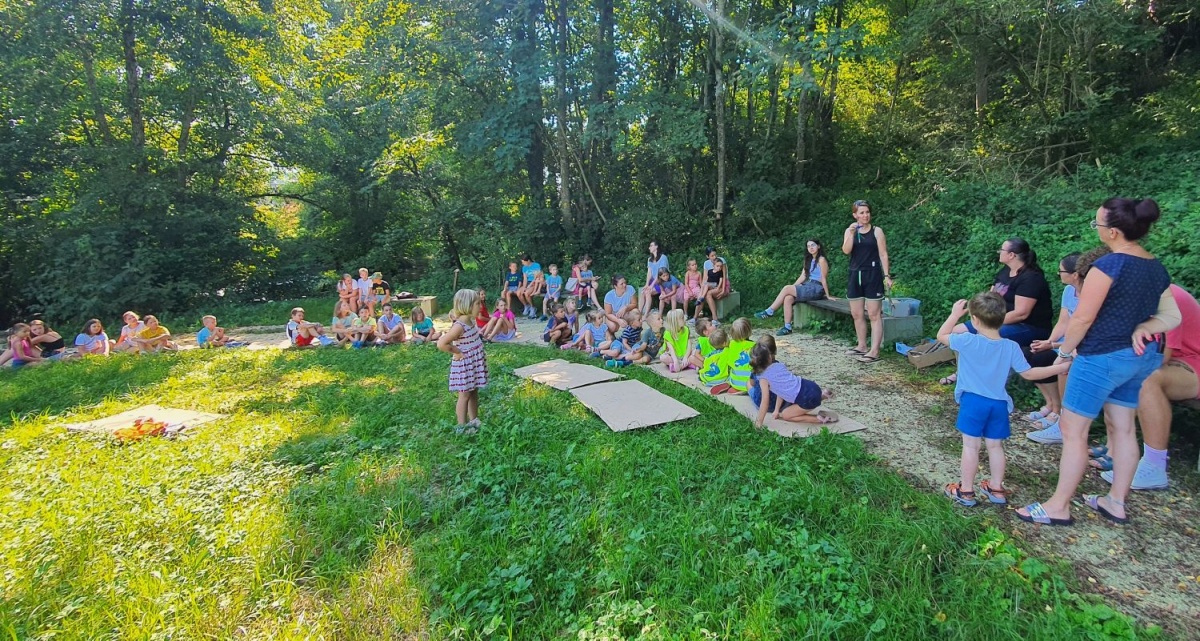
[714, 372]
[630, 335]
[389, 329]
[154, 337]
[984, 362]
[789, 397]
[558, 328]
[422, 327]
[503, 324]
[651, 341]
[737, 359]
[677, 338]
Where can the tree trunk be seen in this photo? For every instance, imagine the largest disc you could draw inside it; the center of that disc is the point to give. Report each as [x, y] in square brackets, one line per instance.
[528, 79]
[560, 90]
[137, 125]
[981, 84]
[98, 113]
[604, 83]
[719, 105]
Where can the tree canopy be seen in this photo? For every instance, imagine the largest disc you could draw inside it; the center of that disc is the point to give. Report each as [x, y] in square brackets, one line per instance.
[157, 154]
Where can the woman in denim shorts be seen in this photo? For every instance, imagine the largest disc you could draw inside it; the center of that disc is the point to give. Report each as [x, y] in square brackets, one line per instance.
[1124, 301]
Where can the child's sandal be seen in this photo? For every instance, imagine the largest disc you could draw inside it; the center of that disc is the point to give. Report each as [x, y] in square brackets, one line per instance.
[999, 496]
[954, 492]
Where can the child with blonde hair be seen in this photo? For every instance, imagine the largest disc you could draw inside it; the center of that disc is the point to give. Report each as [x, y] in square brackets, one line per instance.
[646, 349]
[677, 339]
[714, 373]
[691, 284]
[594, 337]
[210, 335]
[703, 346]
[133, 325]
[789, 397]
[468, 364]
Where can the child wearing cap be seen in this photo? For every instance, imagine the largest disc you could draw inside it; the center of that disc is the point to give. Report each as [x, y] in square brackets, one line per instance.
[381, 290]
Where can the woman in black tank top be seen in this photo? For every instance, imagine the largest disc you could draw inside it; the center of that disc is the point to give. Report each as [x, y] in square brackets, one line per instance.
[870, 276]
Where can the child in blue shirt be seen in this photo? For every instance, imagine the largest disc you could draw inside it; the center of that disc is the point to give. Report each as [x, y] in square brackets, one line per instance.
[554, 284]
[512, 285]
[984, 362]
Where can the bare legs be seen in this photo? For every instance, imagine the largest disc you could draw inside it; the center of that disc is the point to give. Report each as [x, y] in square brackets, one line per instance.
[467, 408]
[969, 467]
[868, 313]
[1172, 382]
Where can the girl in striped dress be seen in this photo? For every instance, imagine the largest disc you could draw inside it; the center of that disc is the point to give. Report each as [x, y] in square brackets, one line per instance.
[468, 367]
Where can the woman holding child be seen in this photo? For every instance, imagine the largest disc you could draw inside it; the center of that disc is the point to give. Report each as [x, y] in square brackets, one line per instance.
[1126, 294]
[811, 285]
[657, 262]
[619, 300]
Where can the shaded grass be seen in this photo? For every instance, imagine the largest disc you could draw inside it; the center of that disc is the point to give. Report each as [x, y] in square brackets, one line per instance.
[336, 501]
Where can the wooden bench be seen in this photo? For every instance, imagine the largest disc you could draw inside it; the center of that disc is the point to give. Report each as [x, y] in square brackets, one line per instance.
[895, 328]
[427, 303]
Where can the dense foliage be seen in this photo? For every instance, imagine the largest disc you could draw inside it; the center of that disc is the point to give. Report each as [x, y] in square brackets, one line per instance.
[158, 154]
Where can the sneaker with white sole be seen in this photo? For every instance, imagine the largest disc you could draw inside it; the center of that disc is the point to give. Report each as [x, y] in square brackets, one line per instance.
[1050, 436]
[1147, 477]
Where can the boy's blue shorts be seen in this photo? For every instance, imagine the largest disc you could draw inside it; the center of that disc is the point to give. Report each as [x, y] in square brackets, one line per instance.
[984, 417]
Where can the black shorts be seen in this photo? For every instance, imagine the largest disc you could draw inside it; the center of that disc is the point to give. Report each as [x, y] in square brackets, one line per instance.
[865, 283]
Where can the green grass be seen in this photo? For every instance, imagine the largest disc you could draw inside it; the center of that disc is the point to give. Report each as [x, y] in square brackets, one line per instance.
[336, 502]
[231, 315]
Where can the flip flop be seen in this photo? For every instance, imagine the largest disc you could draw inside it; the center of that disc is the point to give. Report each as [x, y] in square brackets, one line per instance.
[1102, 463]
[867, 360]
[828, 416]
[948, 380]
[854, 351]
[1045, 422]
[1097, 451]
[1093, 501]
[1036, 416]
[1037, 514]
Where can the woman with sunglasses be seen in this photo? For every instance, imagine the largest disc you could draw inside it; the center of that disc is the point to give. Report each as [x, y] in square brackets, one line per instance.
[1125, 299]
[812, 284]
[870, 274]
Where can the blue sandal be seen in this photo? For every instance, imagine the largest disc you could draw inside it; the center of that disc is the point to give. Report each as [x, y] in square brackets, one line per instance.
[1102, 463]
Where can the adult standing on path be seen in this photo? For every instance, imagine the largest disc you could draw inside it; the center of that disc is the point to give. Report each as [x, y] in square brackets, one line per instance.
[870, 274]
[657, 260]
[812, 284]
[1125, 294]
[1022, 285]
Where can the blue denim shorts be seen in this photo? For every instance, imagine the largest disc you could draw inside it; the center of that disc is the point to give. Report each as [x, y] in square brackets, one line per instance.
[980, 416]
[1115, 377]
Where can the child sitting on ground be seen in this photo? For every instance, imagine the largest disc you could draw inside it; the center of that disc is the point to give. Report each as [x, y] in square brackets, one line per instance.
[92, 340]
[362, 331]
[792, 398]
[595, 335]
[677, 338]
[714, 372]
[651, 341]
[703, 346]
[302, 333]
[630, 336]
[20, 342]
[503, 324]
[984, 362]
[422, 327]
[154, 337]
[210, 335]
[558, 330]
[389, 329]
[554, 284]
[737, 359]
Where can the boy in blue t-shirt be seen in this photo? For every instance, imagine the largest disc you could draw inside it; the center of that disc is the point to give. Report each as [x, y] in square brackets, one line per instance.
[984, 362]
[554, 284]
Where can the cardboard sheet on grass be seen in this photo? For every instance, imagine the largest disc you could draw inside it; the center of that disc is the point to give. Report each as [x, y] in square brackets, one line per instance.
[622, 405]
[563, 375]
[185, 418]
[745, 406]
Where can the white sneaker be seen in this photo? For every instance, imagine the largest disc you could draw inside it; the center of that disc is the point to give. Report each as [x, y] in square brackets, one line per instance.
[1050, 436]
[1147, 477]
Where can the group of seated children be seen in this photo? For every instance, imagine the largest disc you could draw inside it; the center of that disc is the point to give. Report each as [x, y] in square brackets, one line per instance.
[528, 281]
[365, 293]
[352, 329]
[35, 343]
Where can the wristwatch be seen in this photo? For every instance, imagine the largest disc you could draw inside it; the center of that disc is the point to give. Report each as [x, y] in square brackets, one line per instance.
[1066, 355]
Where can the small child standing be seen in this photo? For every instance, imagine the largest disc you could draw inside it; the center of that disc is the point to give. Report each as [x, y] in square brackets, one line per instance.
[468, 364]
[714, 373]
[554, 284]
[703, 346]
[678, 341]
[984, 362]
[794, 399]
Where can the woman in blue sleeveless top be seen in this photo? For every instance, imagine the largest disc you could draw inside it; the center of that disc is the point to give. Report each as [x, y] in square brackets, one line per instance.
[1125, 298]
[813, 284]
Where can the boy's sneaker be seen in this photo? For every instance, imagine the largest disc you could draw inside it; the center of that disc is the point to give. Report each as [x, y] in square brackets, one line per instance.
[543, 318]
[596, 354]
[784, 331]
[766, 313]
[325, 340]
[356, 344]
[997, 496]
[965, 499]
[691, 322]
[1147, 477]
[1050, 436]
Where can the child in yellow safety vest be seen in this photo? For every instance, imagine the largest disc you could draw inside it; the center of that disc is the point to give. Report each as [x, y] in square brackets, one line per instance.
[678, 346]
[737, 358]
[713, 372]
[703, 346]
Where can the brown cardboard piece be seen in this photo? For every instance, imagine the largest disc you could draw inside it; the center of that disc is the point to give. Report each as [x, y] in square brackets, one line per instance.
[745, 406]
[186, 419]
[630, 405]
[563, 375]
[930, 353]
